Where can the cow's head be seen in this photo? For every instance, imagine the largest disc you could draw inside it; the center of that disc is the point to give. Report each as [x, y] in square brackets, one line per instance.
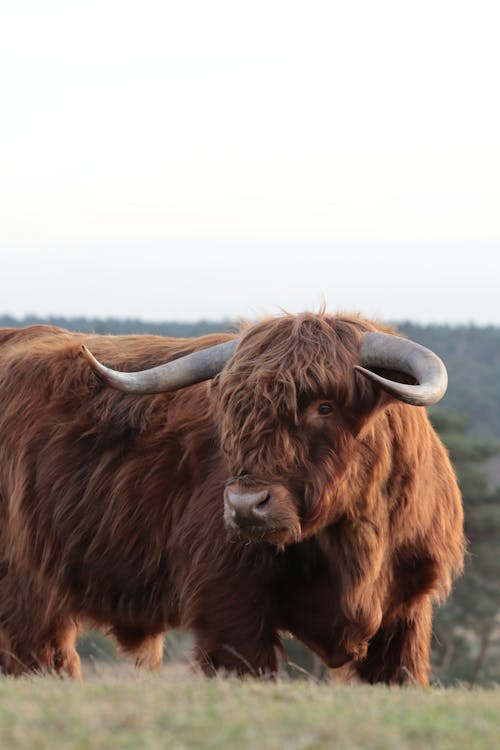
[290, 396]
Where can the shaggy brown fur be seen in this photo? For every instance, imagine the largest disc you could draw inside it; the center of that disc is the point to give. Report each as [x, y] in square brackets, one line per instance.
[111, 505]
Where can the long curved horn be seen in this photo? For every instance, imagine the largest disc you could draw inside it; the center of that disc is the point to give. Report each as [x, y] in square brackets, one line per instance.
[385, 351]
[192, 368]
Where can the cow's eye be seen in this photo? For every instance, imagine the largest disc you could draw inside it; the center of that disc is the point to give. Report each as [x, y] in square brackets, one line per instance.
[325, 409]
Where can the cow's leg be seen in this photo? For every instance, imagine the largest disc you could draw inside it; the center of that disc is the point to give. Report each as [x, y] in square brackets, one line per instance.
[145, 648]
[12, 661]
[60, 650]
[25, 652]
[308, 608]
[232, 636]
[359, 551]
[219, 652]
[35, 634]
[150, 653]
[399, 651]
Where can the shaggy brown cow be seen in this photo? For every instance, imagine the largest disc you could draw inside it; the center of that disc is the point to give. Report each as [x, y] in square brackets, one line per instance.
[343, 512]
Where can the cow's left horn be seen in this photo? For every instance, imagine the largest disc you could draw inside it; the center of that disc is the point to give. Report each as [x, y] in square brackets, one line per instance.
[388, 352]
[192, 368]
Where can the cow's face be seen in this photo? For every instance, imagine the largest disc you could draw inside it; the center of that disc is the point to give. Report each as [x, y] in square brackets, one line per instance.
[289, 407]
[283, 488]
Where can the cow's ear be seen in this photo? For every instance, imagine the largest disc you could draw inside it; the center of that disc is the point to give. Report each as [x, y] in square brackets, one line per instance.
[381, 394]
[371, 401]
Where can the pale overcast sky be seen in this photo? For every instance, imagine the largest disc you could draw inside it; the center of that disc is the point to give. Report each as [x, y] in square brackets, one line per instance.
[180, 160]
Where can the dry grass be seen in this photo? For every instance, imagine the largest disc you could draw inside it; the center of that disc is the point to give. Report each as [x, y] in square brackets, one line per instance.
[119, 709]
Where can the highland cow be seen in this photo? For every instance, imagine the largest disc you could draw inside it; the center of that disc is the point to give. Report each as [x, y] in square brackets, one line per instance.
[240, 487]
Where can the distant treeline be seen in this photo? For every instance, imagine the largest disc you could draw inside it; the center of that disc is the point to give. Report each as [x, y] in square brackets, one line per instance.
[123, 325]
[472, 357]
[471, 354]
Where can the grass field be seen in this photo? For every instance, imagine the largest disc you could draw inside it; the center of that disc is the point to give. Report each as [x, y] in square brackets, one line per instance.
[124, 709]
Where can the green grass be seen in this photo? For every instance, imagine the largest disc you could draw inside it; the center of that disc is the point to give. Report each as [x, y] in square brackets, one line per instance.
[121, 709]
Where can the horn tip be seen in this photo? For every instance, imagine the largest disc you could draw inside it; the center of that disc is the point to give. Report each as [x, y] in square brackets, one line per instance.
[88, 355]
[94, 364]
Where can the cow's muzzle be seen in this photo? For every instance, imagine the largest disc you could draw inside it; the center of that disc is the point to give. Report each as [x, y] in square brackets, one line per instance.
[248, 508]
[265, 513]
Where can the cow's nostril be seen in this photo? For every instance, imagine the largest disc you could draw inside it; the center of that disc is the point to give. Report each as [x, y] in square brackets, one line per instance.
[248, 508]
[263, 503]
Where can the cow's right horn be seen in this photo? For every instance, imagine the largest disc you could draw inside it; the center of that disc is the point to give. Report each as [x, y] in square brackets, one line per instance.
[203, 364]
[388, 352]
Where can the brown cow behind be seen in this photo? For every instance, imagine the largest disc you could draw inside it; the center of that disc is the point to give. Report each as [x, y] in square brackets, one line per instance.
[293, 493]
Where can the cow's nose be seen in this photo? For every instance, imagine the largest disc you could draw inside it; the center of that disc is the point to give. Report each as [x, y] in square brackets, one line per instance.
[248, 508]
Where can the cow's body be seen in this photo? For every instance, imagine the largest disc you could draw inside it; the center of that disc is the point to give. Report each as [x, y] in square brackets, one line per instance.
[112, 509]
